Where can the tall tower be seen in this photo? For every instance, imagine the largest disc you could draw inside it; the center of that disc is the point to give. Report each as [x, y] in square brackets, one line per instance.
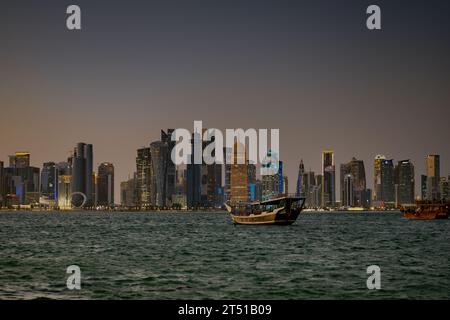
[387, 182]
[405, 181]
[82, 174]
[49, 180]
[143, 177]
[356, 169]
[301, 171]
[159, 154]
[105, 185]
[433, 177]
[377, 177]
[239, 178]
[328, 179]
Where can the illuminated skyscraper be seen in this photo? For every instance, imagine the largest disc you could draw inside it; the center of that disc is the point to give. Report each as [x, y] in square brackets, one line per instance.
[19, 160]
[64, 189]
[377, 177]
[144, 171]
[328, 179]
[49, 181]
[433, 177]
[82, 174]
[239, 176]
[105, 185]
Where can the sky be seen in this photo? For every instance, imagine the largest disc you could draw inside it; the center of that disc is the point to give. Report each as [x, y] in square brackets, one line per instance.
[309, 68]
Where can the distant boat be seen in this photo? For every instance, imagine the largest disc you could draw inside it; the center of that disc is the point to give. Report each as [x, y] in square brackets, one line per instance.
[426, 210]
[278, 211]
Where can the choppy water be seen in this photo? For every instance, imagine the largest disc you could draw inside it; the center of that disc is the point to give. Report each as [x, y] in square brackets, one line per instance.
[202, 255]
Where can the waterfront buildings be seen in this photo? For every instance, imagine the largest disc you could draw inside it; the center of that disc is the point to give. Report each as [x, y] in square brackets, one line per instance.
[105, 185]
[21, 181]
[354, 168]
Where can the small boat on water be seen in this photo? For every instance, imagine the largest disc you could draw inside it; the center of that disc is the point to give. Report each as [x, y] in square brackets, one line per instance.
[426, 210]
[278, 211]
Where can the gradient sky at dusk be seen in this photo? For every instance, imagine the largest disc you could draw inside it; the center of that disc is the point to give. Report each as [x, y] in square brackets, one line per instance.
[310, 68]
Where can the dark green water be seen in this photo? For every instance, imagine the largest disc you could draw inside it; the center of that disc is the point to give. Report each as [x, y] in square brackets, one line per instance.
[202, 255]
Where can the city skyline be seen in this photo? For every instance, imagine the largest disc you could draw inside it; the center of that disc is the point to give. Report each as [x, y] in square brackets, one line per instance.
[315, 72]
[380, 187]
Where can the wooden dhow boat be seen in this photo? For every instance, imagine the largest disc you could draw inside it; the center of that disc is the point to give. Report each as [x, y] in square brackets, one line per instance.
[282, 210]
[426, 210]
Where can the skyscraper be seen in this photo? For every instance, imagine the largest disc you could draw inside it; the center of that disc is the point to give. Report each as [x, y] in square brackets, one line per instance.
[251, 181]
[272, 176]
[356, 169]
[171, 168]
[144, 171]
[194, 176]
[159, 154]
[299, 191]
[377, 177]
[128, 194]
[82, 175]
[64, 189]
[105, 185]
[239, 178]
[387, 183]
[49, 181]
[328, 179]
[348, 190]
[433, 177]
[404, 172]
